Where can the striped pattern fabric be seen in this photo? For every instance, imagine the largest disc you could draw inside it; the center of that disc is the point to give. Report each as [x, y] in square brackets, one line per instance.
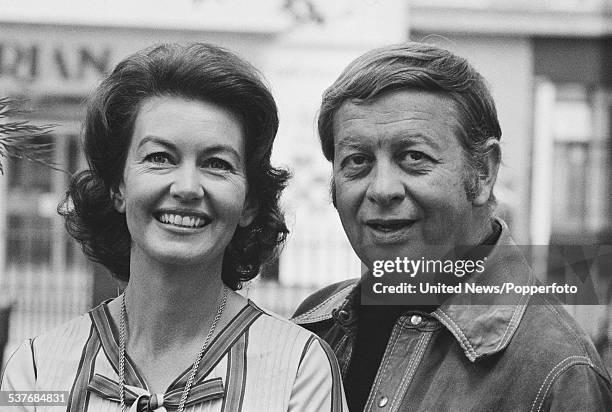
[257, 363]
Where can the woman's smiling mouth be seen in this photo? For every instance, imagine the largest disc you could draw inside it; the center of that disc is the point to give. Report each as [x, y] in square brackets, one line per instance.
[182, 220]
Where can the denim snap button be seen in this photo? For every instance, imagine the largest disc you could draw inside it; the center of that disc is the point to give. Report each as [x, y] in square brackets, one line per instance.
[416, 319]
[382, 401]
[343, 315]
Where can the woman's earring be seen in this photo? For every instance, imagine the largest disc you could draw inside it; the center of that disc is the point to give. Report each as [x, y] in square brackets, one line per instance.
[118, 201]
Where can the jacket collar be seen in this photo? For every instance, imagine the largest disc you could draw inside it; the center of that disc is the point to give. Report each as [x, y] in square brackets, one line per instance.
[335, 298]
[483, 324]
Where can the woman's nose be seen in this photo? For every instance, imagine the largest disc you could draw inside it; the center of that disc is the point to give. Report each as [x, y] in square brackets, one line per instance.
[187, 184]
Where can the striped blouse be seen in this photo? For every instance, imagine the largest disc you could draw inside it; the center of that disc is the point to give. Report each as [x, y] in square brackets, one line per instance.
[258, 362]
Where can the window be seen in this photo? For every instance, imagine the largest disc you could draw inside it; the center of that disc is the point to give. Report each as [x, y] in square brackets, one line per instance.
[580, 161]
[45, 273]
[35, 234]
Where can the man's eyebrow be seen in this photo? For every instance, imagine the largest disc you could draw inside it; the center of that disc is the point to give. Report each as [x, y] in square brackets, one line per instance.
[351, 142]
[414, 138]
[404, 139]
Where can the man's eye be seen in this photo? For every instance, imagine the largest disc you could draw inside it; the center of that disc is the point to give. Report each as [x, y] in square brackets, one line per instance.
[219, 164]
[159, 158]
[415, 156]
[416, 161]
[357, 160]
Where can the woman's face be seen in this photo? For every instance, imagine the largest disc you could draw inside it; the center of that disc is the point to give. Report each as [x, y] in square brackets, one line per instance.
[184, 184]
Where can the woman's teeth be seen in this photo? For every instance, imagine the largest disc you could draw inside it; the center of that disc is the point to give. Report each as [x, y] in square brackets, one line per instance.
[182, 221]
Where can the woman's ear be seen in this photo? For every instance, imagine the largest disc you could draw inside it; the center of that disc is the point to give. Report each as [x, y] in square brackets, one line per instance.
[251, 207]
[488, 176]
[118, 198]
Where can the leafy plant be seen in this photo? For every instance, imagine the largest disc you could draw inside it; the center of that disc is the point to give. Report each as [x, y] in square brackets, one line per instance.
[18, 138]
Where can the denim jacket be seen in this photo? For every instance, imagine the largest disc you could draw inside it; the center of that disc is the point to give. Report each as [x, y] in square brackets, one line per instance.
[524, 355]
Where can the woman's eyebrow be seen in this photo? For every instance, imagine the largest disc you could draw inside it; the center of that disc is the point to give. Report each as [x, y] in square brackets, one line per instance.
[207, 150]
[221, 148]
[157, 140]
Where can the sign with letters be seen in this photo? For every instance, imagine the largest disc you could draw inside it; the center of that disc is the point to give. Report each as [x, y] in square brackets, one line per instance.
[39, 66]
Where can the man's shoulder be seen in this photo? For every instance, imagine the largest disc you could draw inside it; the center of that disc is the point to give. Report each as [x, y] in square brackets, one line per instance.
[550, 336]
[319, 306]
[557, 358]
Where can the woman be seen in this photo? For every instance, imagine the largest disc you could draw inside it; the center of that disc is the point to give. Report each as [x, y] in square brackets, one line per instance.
[181, 202]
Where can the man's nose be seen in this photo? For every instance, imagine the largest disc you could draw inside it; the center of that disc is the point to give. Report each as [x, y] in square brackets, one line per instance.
[386, 185]
[187, 184]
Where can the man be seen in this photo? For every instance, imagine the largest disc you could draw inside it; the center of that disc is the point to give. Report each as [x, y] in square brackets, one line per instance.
[413, 137]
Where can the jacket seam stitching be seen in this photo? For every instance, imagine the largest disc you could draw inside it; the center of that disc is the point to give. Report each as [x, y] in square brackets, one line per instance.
[577, 340]
[320, 305]
[463, 341]
[510, 325]
[518, 312]
[414, 363]
[383, 371]
[568, 327]
[344, 367]
[562, 367]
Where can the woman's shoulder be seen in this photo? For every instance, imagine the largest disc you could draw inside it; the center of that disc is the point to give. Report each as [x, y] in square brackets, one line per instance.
[279, 331]
[63, 335]
[50, 354]
[296, 355]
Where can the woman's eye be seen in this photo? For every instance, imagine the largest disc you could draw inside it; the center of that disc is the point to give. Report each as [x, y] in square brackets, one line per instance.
[159, 158]
[219, 164]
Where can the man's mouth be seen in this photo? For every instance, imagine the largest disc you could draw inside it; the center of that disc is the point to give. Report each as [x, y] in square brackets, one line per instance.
[390, 225]
[182, 220]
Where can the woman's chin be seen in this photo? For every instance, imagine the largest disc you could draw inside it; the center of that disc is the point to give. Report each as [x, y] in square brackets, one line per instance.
[179, 258]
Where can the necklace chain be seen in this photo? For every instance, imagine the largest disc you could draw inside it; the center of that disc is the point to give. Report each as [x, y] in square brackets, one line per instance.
[194, 368]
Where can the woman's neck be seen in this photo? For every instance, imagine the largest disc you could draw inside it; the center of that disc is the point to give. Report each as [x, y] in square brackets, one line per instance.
[169, 306]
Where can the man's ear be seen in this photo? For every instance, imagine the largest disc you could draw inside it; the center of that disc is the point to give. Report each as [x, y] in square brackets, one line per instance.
[118, 198]
[332, 192]
[488, 174]
[251, 207]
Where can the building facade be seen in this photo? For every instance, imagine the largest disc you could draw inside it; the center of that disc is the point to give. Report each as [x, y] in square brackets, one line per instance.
[546, 61]
[53, 55]
[548, 64]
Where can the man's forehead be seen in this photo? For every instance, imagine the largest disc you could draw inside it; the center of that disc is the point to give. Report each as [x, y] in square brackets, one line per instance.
[406, 116]
[401, 139]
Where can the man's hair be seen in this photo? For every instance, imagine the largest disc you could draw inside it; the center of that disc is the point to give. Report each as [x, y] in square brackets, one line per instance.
[424, 67]
[199, 72]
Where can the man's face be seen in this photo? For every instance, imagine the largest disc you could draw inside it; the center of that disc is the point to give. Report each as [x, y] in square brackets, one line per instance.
[399, 177]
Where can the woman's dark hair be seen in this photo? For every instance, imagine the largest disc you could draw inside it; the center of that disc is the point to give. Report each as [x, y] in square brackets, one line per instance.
[201, 72]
